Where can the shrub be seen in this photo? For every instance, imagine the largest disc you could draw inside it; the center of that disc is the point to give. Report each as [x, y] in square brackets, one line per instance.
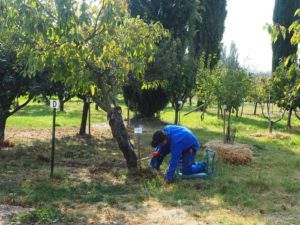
[146, 102]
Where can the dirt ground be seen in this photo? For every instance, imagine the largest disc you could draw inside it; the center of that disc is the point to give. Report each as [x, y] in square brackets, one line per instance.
[30, 134]
[6, 210]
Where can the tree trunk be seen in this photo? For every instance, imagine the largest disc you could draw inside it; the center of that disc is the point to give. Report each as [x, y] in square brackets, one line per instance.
[85, 111]
[190, 100]
[289, 120]
[242, 110]
[270, 126]
[3, 120]
[120, 133]
[255, 109]
[237, 112]
[228, 136]
[176, 116]
[61, 103]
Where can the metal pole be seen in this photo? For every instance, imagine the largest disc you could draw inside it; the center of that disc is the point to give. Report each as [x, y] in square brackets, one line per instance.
[224, 128]
[53, 143]
[89, 118]
[139, 150]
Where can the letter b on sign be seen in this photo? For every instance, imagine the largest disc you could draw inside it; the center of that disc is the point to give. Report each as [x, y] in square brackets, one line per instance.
[54, 104]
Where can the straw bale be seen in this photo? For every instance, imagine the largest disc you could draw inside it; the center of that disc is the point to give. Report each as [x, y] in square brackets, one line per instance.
[237, 154]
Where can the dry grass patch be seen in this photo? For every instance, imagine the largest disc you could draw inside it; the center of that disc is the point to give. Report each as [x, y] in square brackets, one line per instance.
[272, 136]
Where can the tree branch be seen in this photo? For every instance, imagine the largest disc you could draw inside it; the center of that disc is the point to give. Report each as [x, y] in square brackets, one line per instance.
[96, 27]
[263, 112]
[276, 121]
[21, 106]
[296, 114]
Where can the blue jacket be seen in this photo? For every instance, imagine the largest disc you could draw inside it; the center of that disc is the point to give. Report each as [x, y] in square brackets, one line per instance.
[179, 140]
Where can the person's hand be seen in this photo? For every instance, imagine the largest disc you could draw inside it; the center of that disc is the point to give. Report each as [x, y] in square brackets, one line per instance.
[156, 154]
[167, 182]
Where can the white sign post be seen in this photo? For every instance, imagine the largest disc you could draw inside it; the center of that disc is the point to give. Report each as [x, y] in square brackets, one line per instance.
[138, 132]
[54, 104]
[180, 106]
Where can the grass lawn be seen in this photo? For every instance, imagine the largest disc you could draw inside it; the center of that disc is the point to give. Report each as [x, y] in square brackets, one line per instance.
[92, 185]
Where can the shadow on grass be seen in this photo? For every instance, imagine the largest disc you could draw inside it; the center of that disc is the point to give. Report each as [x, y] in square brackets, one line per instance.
[86, 174]
[250, 120]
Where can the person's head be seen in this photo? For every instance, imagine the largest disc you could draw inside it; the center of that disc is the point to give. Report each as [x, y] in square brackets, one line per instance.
[159, 138]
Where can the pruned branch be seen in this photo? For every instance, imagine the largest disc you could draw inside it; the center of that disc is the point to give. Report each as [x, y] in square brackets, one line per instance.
[194, 110]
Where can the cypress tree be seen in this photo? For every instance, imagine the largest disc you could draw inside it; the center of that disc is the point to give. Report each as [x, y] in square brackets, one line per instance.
[210, 29]
[284, 15]
[176, 53]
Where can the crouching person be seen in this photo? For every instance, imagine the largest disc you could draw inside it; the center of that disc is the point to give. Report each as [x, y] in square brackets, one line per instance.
[183, 146]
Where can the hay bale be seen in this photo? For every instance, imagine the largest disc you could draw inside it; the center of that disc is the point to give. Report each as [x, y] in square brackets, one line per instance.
[237, 154]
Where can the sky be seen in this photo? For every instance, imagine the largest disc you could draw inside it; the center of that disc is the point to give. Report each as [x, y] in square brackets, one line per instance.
[244, 26]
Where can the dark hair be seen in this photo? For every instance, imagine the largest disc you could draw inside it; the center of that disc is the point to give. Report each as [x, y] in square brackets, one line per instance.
[157, 138]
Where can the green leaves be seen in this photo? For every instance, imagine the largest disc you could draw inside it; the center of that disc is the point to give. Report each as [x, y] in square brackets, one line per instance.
[226, 83]
[276, 31]
[80, 42]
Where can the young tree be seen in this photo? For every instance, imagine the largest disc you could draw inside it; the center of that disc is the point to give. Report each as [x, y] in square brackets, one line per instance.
[269, 102]
[231, 85]
[257, 91]
[86, 45]
[13, 84]
[279, 32]
[205, 83]
[284, 80]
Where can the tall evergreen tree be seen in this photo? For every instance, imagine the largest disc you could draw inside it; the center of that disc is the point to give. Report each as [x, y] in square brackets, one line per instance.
[179, 17]
[284, 15]
[210, 29]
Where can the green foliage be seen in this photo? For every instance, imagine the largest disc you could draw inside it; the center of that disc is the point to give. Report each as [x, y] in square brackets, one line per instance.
[205, 78]
[42, 216]
[13, 85]
[225, 83]
[209, 29]
[233, 82]
[91, 46]
[258, 92]
[146, 102]
[284, 86]
[175, 60]
[283, 17]
[233, 87]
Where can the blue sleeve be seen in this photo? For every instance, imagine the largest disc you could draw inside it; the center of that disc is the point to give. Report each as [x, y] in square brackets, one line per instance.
[173, 165]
